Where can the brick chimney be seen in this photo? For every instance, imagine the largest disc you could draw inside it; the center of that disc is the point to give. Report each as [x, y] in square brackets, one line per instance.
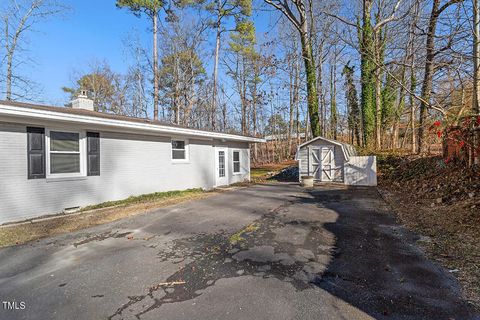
[82, 101]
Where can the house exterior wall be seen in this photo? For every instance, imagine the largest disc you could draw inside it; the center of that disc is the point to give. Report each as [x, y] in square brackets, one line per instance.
[305, 162]
[131, 164]
[244, 162]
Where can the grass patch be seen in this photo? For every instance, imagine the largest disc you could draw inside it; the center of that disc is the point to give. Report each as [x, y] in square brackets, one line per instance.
[144, 198]
[94, 215]
[238, 237]
[259, 172]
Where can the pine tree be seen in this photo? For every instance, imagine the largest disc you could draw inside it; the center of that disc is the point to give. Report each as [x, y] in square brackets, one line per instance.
[152, 9]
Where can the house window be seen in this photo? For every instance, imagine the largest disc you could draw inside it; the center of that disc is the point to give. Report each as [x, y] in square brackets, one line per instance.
[64, 153]
[179, 150]
[236, 161]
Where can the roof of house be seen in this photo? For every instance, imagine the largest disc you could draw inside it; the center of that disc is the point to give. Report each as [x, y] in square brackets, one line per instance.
[347, 149]
[82, 116]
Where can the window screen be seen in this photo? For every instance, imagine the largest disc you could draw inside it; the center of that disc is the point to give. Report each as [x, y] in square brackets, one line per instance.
[178, 150]
[64, 152]
[64, 141]
[236, 161]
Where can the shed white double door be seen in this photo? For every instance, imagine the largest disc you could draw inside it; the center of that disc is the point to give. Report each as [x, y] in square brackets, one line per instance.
[322, 161]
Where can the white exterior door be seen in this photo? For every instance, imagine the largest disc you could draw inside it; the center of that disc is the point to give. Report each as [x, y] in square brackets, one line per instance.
[221, 166]
[327, 164]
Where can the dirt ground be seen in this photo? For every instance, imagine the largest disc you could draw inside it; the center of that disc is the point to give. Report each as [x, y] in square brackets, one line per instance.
[442, 203]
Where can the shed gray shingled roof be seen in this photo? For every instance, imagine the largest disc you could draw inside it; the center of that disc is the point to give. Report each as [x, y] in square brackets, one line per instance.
[348, 149]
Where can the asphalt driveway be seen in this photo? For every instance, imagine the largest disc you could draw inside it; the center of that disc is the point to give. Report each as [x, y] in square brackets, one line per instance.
[264, 252]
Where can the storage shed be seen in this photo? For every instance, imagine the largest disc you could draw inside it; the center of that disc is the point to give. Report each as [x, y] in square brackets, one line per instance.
[329, 160]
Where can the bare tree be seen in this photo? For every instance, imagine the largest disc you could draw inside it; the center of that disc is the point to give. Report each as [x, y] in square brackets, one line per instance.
[182, 72]
[296, 12]
[152, 9]
[430, 67]
[19, 19]
[476, 67]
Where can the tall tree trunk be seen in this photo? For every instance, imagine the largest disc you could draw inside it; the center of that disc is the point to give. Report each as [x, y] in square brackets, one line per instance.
[429, 69]
[333, 101]
[307, 127]
[428, 76]
[177, 103]
[476, 72]
[9, 53]
[320, 88]
[9, 77]
[254, 119]
[215, 65]
[395, 135]
[413, 87]
[401, 104]
[155, 66]
[310, 70]
[413, 79]
[224, 114]
[378, 108]
[476, 56]
[367, 74]
[297, 122]
[378, 40]
[301, 24]
[292, 105]
[243, 96]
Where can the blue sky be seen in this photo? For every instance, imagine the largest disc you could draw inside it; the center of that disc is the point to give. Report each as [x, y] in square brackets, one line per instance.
[92, 30]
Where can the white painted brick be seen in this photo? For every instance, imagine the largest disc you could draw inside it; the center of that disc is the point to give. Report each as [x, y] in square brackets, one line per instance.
[130, 165]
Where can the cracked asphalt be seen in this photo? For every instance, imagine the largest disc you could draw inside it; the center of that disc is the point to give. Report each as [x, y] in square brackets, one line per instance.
[271, 251]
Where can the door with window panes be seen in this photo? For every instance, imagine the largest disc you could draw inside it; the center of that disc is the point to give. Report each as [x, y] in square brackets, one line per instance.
[221, 168]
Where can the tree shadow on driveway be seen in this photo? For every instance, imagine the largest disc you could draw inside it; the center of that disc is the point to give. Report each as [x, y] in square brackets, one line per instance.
[343, 241]
[377, 266]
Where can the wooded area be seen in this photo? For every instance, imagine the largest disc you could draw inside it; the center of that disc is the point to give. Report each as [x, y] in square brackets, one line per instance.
[383, 75]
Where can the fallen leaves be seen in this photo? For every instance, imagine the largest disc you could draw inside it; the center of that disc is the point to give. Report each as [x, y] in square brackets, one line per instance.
[443, 205]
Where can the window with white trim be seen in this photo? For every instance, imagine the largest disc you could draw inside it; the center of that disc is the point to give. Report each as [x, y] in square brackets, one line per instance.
[236, 161]
[65, 153]
[179, 150]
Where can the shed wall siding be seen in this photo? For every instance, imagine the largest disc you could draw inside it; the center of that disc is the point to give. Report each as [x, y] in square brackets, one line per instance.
[130, 165]
[361, 171]
[303, 162]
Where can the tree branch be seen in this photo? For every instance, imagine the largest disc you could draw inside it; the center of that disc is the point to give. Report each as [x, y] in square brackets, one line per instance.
[285, 9]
